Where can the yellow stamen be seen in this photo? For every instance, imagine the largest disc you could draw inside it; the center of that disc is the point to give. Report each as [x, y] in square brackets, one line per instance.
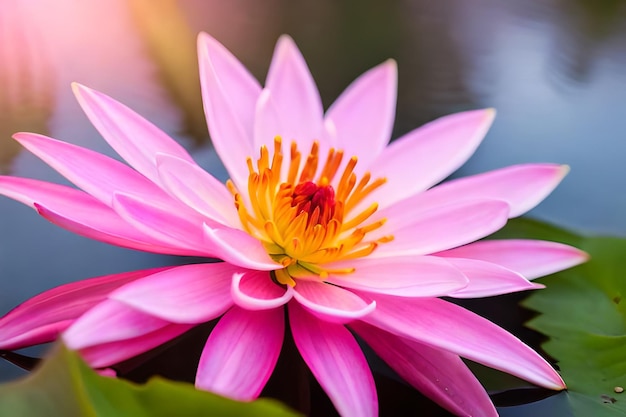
[284, 278]
[300, 219]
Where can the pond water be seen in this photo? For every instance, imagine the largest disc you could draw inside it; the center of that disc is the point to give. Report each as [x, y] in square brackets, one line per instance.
[553, 69]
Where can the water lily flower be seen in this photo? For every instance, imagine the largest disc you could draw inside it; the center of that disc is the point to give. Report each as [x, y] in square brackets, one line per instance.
[321, 217]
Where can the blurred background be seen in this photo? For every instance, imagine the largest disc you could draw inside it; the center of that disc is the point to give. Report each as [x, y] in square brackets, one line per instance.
[553, 69]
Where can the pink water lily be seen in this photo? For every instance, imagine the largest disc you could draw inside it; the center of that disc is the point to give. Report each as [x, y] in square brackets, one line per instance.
[321, 217]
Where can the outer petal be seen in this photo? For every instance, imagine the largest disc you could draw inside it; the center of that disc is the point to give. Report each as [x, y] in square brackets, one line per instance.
[363, 114]
[444, 325]
[267, 123]
[41, 318]
[107, 354]
[403, 276]
[185, 294]
[107, 227]
[241, 353]
[225, 86]
[438, 374]
[110, 321]
[95, 173]
[531, 258]
[295, 94]
[487, 279]
[270, 123]
[336, 361]
[255, 290]
[237, 84]
[431, 152]
[80, 213]
[447, 227]
[521, 186]
[133, 137]
[60, 197]
[238, 248]
[162, 224]
[331, 303]
[197, 189]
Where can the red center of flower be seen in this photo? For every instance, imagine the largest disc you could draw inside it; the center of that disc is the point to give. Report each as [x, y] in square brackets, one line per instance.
[318, 201]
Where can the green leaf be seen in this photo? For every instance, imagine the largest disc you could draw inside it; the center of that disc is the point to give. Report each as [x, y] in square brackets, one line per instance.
[583, 312]
[65, 386]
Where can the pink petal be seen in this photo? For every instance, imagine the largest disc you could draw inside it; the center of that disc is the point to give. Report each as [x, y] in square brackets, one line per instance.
[444, 325]
[95, 173]
[431, 152]
[30, 191]
[235, 81]
[109, 228]
[133, 137]
[364, 113]
[110, 321]
[331, 303]
[487, 279]
[241, 353]
[404, 276]
[79, 212]
[229, 94]
[267, 123]
[197, 189]
[336, 361]
[41, 318]
[531, 258]
[255, 290]
[42, 333]
[111, 353]
[438, 374]
[162, 224]
[521, 186]
[295, 94]
[108, 372]
[193, 293]
[238, 248]
[447, 227]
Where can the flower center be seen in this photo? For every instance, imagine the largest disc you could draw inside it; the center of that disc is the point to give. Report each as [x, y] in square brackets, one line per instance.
[303, 221]
[316, 200]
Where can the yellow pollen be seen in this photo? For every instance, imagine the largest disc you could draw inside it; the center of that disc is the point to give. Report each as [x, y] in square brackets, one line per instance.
[302, 219]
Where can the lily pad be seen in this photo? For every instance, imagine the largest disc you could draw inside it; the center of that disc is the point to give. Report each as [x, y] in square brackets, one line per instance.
[65, 386]
[583, 312]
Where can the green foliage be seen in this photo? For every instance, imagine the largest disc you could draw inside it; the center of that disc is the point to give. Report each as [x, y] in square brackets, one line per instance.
[65, 386]
[583, 312]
